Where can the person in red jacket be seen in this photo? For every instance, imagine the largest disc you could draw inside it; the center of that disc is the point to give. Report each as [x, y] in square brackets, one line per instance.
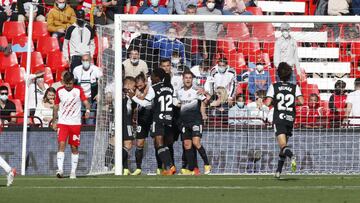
[337, 103]
[312, 113]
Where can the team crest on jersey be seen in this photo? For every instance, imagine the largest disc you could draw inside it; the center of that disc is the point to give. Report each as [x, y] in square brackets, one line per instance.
[138, 129]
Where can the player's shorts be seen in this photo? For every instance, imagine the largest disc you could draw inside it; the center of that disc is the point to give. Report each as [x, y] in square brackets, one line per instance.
[188, 132]
[70, 133]
[142, 130]
[283, 129]
[160, 129]
[127, 133]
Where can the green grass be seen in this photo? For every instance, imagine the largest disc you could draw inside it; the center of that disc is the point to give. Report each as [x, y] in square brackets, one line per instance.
[183, 189]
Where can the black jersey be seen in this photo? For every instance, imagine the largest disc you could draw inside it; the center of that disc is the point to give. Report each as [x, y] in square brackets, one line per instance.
[163, 103]
[284, 96]
[127, 111]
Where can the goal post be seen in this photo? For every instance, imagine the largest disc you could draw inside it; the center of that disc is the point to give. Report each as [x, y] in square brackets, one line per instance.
[241, 146]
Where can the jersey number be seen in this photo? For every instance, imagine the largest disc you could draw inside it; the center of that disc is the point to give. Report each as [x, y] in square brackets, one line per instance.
[166, 102]
[285, 101]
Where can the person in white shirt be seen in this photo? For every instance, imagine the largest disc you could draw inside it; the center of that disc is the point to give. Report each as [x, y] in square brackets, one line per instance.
[134, 65]
[87, 76]
[44, 109]
[67, 121]
[352, 106]
[238, 111]
[224, 76]
[257, 109]
[36, 92]
[202, 73]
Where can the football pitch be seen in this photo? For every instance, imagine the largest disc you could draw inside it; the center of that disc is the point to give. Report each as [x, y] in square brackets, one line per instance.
[184, 189]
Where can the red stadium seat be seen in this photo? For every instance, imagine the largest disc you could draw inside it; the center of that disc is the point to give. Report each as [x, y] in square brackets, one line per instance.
[9, 89]
[255, 10]
[55, 60]
[226, 45]
[3, 41]
[268, 47]
[39, 30]
[46, 45]
[58, 74]
[48, 76]
[8, 61]
[19, 91]
[237, 61]
[264, 31]
[133, 9]
[13, 29]
[37, 63]
[14, 75]
[237, 31]
[250, 47]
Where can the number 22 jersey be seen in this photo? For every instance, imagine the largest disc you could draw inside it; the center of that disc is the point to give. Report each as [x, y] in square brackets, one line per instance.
[284, 96]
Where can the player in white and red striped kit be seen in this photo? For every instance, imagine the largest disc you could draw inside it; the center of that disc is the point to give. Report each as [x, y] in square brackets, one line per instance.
[67, 121]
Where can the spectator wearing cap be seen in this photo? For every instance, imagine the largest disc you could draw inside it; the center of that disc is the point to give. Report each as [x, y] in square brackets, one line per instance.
[79, 40]
[286, 51]
[59, 18]
[259, 79]
[24, 10]
[168, 44]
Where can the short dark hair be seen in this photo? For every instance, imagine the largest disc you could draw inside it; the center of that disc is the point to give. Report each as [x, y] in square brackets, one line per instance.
[159, 72]
[3, 87]
[164, 60]
[340, 84]
[133, 49]
[68, 77]
[223, 59]
[129, 79]
[141, 77]
[191, 6]
[188, 72]
[357, 82]
[284, 71]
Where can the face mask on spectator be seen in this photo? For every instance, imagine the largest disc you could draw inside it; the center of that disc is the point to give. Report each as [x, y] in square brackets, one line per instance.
[86, 65]
[210, 5]
[61, 5]
[155, 3]
[40, 80]
[222, 69]
[285, 33]
[3, 97]
[171, 38]
[134, 62]
[259, 68]
[240, 104]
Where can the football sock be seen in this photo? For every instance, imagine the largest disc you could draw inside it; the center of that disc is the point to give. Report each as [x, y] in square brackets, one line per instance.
[158, 160]
[125, 156]
[139, 153]
[195, 157]
[189, 154]
[281, 163]
[287, 151]
[203, 155]
[109, 154]
[60, 160]
[5, 165]
[74, 162]
[165, 157]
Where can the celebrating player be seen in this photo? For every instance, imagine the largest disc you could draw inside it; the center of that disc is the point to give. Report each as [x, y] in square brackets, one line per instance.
[162, 117]
[283, 94]
[192, 103]
[67, 109]
[144, 96]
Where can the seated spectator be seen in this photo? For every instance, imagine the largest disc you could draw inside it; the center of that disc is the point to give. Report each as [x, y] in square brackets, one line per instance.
[218, 4]
[87, 76]
[155, 9]
[134, 65]
[337, 103]
[168, 44]
[7, 12]
[144, 4]
[7, 107]
[339, 7]
[259, 79]
[222, 75]
[113, 7]
[235, 7]
[355, 7]
[182, 5]
[219, 107]
[44, 109]
[238, 111]
[257, 109]
[311, 114]
[37, 90]
[23, 7]
[59, 18]
[352, 105]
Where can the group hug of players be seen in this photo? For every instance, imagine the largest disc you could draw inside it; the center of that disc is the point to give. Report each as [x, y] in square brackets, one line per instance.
[166, 112]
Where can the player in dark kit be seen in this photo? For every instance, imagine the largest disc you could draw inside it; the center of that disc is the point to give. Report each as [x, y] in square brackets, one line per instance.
[283, 95]
[162, 117]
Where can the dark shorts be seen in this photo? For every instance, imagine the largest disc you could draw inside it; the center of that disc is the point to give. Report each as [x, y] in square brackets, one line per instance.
[283, 129]
[142, 130]
[160, 129]
[190, 131]
[127, 133]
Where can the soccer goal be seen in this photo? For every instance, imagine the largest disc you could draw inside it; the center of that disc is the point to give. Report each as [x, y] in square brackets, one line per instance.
[240, 140]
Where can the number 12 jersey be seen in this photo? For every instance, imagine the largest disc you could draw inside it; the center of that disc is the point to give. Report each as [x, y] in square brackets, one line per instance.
[163, 103]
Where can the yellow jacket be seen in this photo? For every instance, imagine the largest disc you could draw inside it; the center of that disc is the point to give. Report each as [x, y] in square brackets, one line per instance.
[60, 19]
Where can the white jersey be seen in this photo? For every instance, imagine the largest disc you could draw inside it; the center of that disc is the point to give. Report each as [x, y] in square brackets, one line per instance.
[190, 104]
[86, 78]
[354, 98]
[226, 79]
[70, 105]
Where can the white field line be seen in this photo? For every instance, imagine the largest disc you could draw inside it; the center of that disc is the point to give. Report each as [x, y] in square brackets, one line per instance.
[315, 187]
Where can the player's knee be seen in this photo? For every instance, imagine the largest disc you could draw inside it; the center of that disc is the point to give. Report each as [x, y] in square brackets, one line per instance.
[74, 149]
[62, 146]
[282, 156]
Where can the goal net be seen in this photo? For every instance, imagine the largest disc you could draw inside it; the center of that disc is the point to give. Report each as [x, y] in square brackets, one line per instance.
[237, 132]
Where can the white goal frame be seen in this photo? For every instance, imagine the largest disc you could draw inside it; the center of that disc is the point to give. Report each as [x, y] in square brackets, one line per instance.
[119, 19]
